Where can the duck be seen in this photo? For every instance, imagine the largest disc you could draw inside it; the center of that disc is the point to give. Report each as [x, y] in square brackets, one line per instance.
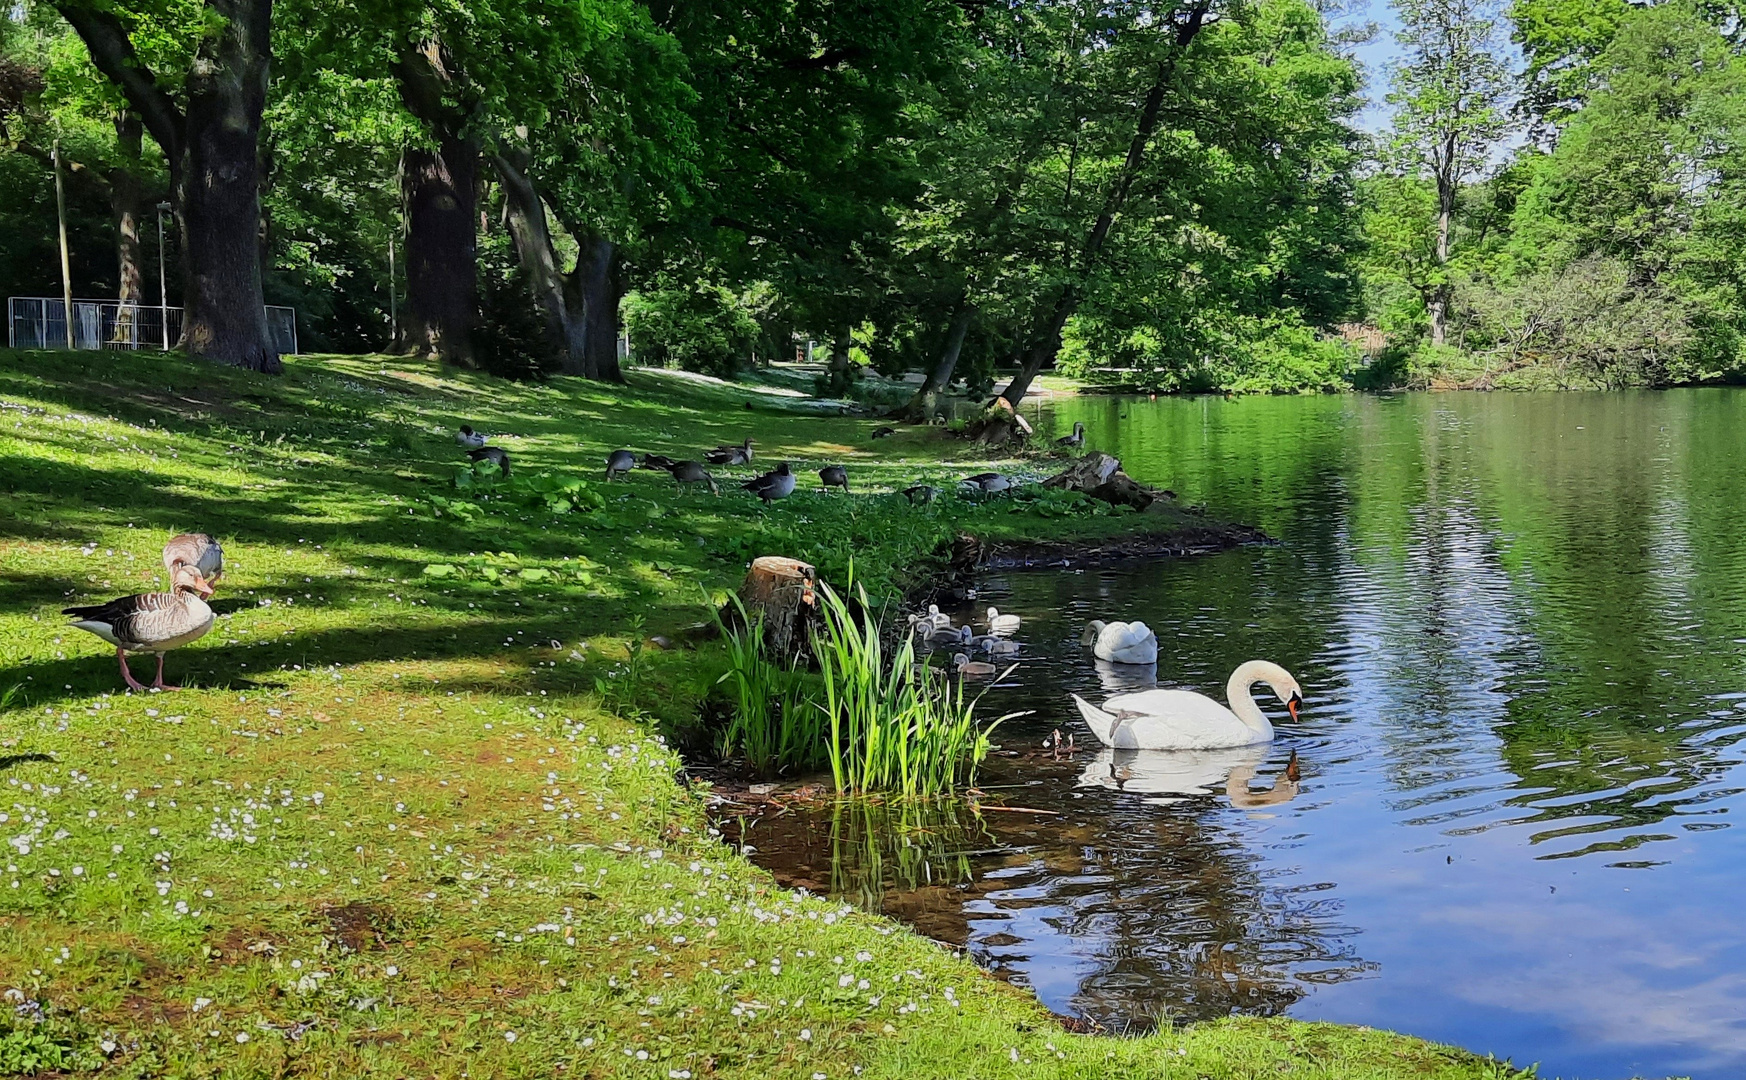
[1076, 439]
[469, 438]
[619, 462]
[834, 476]
[1183, 720]
[773, 485]
[692, 472]
[730, 455]
[921, 494]
[1002, 624]
[1121, 642]
[884, 432]
[989, 483]
[657, 461]
[198, 550]
[494, 454]
[151, 622]
[966, 666]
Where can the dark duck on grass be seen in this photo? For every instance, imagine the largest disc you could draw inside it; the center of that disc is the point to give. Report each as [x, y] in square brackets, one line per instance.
[619, 462]
[884, 432]
[151, 622]
[777, 484]
[834, 476]
[692, 472]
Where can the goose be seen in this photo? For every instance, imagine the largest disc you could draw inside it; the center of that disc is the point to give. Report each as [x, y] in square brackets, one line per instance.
[1075, 439]
[884, 432]
[989, 483]
[967, 666]
[730, 455]
[691, 472]
[1002, 624]
[494, 454]
[1183, 720]
[657, 461]
[1121, 642]
[619, 462]
[151, 622]
[469, 438]
[921, 494]
[834, 476]
[777, 484]
[198, 550]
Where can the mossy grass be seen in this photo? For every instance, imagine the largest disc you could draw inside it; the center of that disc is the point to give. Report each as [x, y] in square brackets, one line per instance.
[406, 824]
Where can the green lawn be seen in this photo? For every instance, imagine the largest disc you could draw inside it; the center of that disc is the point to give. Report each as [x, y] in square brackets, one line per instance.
[410, 822]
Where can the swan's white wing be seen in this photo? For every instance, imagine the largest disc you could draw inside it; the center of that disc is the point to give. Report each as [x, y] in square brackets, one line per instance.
[1174, 720]
[1127, 643]
[1167, 772]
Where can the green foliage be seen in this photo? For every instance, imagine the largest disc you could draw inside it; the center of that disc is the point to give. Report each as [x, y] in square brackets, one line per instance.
[774, 723]
[42, 1046]
[705, 328]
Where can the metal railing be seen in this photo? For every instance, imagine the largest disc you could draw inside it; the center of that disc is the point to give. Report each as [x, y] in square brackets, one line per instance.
[40, 322]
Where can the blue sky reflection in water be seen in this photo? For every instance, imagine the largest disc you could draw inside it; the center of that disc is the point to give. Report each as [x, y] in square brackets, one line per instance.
[1521, 625]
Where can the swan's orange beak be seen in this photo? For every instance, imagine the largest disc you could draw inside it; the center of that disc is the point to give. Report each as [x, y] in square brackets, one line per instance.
[1292, 703]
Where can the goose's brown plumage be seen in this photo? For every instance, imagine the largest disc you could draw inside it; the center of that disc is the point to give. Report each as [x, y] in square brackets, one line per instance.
[198, 550]
[151, 622]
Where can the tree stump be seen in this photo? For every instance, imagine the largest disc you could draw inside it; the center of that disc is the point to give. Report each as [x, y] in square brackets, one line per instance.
[1101, 477]
[782, 592]
[1000, 425]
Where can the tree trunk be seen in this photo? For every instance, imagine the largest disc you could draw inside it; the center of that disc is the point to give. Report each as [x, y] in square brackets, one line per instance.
[597, 274]
[921, 406]
[1438, 304]
[125, 199]
[223, 314]
[1045, 344]
[560, 303]
[211, 149]
[439, 188]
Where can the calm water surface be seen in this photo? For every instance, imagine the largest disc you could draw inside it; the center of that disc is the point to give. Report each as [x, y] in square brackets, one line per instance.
[1520, 621]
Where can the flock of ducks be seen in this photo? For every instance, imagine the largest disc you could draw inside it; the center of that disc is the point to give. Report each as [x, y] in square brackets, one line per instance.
[157, 622]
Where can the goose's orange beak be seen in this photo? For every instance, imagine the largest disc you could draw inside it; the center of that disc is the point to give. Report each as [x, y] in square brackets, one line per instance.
[202, 586]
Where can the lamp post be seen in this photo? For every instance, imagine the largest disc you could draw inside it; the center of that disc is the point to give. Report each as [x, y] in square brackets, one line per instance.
[163, 293]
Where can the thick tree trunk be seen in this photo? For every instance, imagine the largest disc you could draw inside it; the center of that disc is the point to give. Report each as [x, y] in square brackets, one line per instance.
[442, 285]
[530, 229]
[922, 405]
[211, 149]
[1045, 344]
[1438, 302]
[125, 199]
[597, 274]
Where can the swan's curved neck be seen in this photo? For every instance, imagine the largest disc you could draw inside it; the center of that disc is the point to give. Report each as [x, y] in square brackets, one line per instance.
[1238, 693]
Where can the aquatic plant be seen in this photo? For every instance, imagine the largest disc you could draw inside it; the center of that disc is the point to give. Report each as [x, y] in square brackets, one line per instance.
[775, 724]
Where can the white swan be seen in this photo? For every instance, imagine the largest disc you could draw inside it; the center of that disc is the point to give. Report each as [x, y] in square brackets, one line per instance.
[1182, 720]
[1002, 624]
[1121, 642]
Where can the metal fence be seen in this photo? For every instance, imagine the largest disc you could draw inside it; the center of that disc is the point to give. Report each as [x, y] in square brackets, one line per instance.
[40, 322]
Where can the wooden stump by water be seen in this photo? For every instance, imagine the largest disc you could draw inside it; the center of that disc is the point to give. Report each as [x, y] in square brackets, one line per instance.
[782, 592]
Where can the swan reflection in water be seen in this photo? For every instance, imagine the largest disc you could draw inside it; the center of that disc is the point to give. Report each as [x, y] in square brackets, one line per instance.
[1125, 678]
[1170, 776]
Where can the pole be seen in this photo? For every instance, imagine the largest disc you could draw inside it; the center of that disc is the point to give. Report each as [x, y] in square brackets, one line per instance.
[66, 263]
[393, 306]
[163, 291]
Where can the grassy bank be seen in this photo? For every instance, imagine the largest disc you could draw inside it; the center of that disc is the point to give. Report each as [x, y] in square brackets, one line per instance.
[409, 822]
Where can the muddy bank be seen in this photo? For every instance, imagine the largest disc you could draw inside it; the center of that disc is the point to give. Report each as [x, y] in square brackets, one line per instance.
[970, 554]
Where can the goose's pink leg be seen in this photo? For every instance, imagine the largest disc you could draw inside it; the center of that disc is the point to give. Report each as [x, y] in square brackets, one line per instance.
[121, 655]
[159, 683]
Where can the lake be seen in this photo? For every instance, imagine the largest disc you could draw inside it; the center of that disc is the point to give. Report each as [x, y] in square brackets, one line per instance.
[1520, 625]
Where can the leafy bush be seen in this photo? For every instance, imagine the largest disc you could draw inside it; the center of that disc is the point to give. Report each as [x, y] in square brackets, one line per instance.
[706, 328]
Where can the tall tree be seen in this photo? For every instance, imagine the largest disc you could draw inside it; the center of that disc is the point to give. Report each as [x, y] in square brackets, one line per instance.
[1450, 92]
[209, 131]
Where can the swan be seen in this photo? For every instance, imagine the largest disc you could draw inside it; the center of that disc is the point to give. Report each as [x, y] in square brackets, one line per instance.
[1183, 720]
[1002, 624]
[1121, 642]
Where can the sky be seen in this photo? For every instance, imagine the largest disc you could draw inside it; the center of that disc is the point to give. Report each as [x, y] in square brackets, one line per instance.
[1374, 56]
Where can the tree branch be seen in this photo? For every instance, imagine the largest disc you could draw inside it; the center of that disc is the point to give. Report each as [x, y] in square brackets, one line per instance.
[113, 54]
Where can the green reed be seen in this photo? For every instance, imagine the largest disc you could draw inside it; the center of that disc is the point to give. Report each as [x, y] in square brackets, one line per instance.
[776, 724]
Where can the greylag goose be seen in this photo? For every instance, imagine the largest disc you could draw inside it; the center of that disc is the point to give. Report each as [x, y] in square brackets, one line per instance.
[921, 494]
[778, 484]
[1075, 439]
[198, 550]
[619, 462]
[469, 438]
[658, 461]
[151, 622]
[988, 483]
[967, 666]
[834, 476]
[692, 472]
[884, 432]
[1001, 624]
[494, 454]
[730, 455]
